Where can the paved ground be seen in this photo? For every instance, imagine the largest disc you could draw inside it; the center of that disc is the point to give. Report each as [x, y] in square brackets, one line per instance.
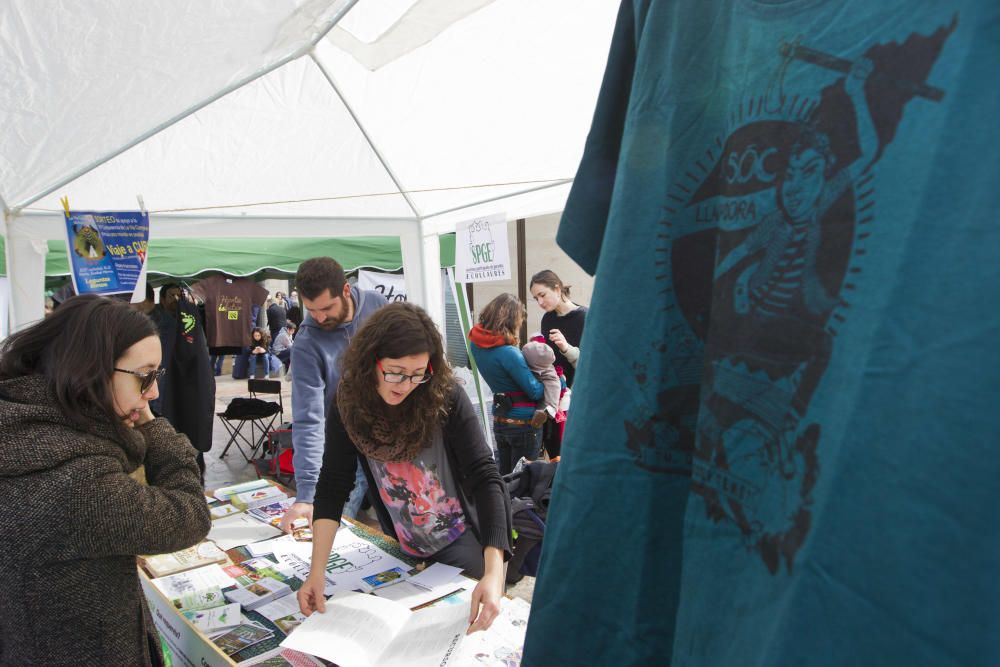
[234, 468]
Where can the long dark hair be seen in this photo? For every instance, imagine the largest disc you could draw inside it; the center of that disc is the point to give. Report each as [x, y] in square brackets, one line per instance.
[75, 349]
[265, 338]
[549, 278]
[394, 331]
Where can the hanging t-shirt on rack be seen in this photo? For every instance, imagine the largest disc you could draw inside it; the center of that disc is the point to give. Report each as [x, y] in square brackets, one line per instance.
[790, 208]
[229, 308]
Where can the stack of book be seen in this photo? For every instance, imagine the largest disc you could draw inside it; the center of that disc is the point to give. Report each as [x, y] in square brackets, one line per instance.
[258, 581]
[258, 593]
[258, 498]
[162, 565]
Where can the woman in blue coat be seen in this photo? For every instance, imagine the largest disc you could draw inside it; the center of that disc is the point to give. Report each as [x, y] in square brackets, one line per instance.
[495, 347]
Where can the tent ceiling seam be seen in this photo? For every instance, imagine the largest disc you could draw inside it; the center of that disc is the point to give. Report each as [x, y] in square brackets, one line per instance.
[364, 133]
[550, 184]
[307, 49]
[548, 181]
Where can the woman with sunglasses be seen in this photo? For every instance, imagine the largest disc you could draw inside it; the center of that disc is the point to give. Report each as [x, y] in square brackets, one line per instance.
[435, 487]
[88, 480]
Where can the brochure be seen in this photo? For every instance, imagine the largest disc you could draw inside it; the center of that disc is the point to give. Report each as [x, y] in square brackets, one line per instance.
[272, 512]
[215, 620]
[239, 530]
[227, 492]
[219, 511]
[502, 645]
[241, 637]
[206, 598]
[360, 630]
[383, 579]
[282, 657]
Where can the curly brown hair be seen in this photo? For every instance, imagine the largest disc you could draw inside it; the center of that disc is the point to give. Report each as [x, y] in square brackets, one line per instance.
[503, 316]
[394, 331]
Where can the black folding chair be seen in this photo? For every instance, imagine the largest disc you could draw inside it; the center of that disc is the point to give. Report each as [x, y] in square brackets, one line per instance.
[258, 415]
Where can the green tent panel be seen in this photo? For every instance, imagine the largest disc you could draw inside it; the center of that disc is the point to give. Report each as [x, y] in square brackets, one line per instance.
[255, 257]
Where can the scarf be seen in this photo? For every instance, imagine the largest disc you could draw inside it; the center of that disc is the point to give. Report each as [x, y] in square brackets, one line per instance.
[485, 338]
[375, 435]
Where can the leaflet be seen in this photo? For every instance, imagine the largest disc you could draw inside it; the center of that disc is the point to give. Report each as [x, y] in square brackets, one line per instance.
[359, 630]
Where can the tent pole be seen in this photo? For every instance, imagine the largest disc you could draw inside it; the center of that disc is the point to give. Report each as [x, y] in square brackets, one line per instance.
[184, 114]
[422, 271]
[364, 133]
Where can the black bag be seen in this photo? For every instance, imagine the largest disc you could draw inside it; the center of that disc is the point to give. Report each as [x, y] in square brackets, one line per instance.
[251, 408]
[530, 491]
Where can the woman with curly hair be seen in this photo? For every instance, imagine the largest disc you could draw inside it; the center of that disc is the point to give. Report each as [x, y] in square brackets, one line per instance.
[400, 412]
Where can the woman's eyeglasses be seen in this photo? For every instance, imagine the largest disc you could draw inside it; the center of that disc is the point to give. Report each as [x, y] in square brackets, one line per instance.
[146, 378]
[398, 378]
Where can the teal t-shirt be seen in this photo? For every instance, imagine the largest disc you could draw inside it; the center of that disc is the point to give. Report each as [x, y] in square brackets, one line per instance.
[791, 210]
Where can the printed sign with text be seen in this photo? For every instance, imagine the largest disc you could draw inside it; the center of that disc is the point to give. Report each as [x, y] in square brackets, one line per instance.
[481, 250]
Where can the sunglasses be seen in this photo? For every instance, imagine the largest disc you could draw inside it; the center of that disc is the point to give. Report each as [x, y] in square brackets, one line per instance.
[146, 378]
[398, 378]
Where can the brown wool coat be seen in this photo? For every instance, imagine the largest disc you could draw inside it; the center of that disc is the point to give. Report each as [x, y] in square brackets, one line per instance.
[72, 521]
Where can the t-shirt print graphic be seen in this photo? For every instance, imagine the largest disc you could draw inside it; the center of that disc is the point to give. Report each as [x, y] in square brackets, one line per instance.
[426, 516]
[764, 236]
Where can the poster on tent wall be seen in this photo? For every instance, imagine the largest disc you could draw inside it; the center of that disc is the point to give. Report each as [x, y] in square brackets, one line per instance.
[481, 250]
[107, 250]
[390, 285]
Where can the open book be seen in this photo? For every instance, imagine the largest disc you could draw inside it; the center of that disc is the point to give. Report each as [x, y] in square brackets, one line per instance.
[359, 630]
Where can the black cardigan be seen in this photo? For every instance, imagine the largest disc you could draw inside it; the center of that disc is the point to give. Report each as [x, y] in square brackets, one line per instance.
[471, 462]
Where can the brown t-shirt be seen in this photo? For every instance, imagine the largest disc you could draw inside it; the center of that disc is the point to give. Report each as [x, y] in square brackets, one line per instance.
[228, 308]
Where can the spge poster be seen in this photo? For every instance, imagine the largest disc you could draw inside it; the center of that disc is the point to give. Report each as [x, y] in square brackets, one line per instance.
[107, 250]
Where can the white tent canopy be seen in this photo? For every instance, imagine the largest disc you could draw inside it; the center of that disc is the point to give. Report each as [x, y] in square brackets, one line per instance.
[291, 117]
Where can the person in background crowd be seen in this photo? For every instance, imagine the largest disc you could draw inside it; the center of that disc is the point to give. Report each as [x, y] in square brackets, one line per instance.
[89, 479]
[562, 326]
[401, 415]
[260, 345]
[563, 321]
[147, 305]
[187, 390]
[282, 300]
[282, 345]
[335, 312]
[494, 343]
[295, 317]
[277, 315]
[293, 299]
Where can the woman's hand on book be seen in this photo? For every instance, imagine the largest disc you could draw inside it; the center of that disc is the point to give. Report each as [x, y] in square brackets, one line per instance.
[487, 593]
[295, 512]
[310, 596]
